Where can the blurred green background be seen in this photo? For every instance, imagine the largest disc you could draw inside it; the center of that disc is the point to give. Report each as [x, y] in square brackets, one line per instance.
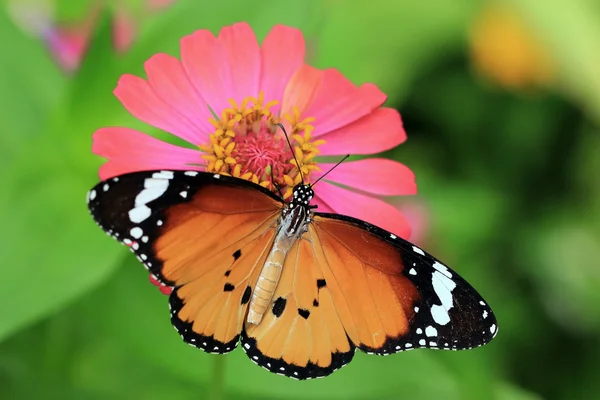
[501, 107]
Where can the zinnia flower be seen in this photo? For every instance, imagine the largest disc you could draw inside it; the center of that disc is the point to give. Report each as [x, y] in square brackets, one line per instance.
[226, 96]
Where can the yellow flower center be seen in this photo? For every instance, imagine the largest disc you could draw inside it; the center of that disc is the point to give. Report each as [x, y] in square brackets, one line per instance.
[248, 144]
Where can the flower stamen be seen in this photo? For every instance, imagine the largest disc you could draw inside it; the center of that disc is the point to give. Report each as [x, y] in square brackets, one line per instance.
[247, 144]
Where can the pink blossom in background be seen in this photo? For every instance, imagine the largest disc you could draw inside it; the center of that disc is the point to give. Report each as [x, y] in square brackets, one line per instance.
[251, 88]
[158, 4]
[68, 42]
[418, 216]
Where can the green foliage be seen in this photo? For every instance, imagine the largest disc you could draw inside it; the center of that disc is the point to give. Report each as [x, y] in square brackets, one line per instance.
[510, 181]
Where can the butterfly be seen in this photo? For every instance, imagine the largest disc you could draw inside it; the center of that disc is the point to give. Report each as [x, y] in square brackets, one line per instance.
[300, 290]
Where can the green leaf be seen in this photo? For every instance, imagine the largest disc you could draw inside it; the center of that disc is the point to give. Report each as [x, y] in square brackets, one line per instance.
[30, 87]
[562, 259]
[390, 42]
[50, 247]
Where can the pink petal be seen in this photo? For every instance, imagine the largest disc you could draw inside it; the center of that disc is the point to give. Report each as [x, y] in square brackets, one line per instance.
[67, 48]
[278, 70]
[323, 207]
[128, 150]
[142, 102]
[339, 102]
[417, 214]
[243, 54]
[301, 90]
[156, 5]
[379, 131]
[205, 62]
[379, 176]
[370, 209]
[124, 30]
[171, 84]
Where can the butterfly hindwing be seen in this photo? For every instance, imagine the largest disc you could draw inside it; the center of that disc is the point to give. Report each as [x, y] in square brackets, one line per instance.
[301, 334]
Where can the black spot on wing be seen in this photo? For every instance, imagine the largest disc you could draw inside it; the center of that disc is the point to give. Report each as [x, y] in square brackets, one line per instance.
[279, 306]
[321, 283]
[237, 254]
[303, 313]
[315, 303]
[246, 295]
[228, 272]
[228, 287]
[277, 365]
[204, 342]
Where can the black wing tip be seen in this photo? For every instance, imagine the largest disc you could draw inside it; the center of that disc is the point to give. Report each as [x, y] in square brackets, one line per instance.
[280, 367]
[193, 175]
[203, 342]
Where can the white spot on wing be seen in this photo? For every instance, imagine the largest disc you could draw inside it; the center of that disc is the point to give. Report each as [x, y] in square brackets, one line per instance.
[493, 329]
[139, 214]
[443, 287]
[418, 250]
[153, 189]
[439, 314]
[412, 271]
[136, 232]
[422, 342]
[183, 194]
[442, 268]
[92, 195]
[190, 173]
[431, 331]
[105, 187]
[163, 175]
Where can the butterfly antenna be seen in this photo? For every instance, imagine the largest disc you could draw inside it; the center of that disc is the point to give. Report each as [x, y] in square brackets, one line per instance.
[292, 149]
[330, 169]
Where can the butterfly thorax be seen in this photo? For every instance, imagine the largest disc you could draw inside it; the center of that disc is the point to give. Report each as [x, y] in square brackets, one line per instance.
[292, 224]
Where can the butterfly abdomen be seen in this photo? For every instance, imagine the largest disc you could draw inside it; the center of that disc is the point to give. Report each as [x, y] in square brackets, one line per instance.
[291, 227]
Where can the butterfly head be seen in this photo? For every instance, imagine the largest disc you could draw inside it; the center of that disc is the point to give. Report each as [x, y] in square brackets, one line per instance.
[302, 195]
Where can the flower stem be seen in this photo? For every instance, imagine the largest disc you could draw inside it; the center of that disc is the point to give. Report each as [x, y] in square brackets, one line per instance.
[217, 382]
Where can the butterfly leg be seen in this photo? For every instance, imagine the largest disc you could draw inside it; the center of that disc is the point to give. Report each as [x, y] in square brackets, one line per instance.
[276, 186]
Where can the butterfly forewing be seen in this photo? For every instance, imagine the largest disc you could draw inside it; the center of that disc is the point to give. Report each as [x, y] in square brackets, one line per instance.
[419, 302]
[207, 235]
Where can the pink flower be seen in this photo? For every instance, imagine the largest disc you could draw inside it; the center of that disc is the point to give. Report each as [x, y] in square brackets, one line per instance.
[250, 88]
[68, 42]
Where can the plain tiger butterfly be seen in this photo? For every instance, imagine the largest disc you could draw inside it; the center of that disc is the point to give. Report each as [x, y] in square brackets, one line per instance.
[301, 290]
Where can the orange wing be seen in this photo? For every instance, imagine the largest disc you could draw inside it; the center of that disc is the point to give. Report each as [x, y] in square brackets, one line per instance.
[348, 284]
[207, 235]
[302, 335]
